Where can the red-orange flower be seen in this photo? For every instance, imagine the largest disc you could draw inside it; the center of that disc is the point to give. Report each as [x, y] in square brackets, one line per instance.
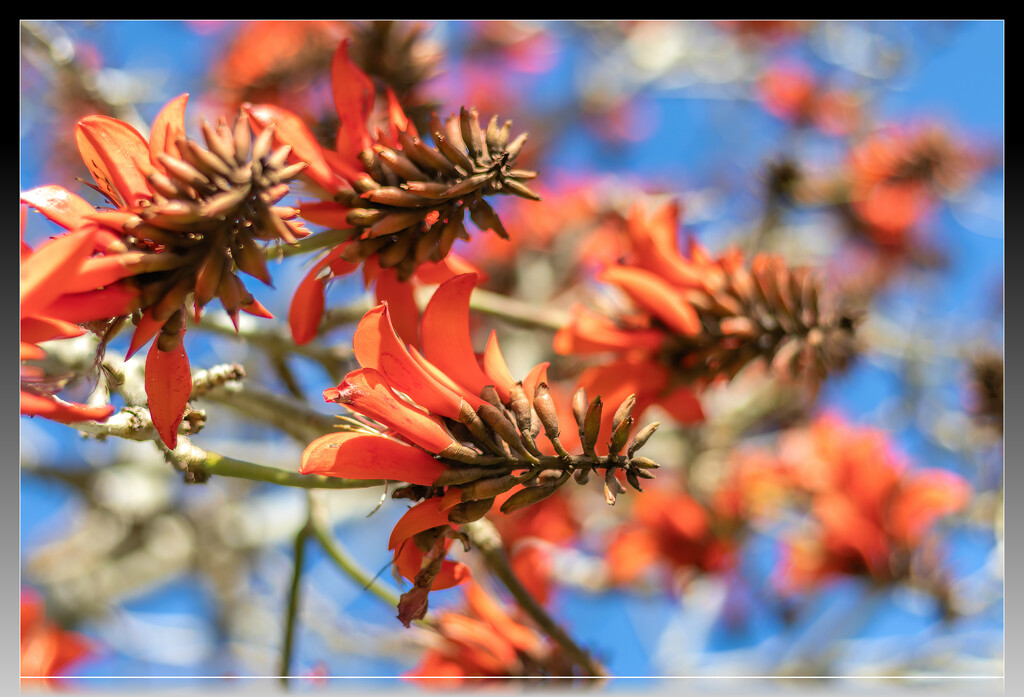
[186, 220]
[47, 651]
[65, 282]
[701, 319]
[404, 201]
[897, 176]
[870, 509]
[669, 529]
[458, 428]
[485, 641]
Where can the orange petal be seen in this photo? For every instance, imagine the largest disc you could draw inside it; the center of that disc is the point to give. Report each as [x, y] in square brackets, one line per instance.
[168, 386]
[445, 333]
[496, 369]
[436, 273]
[113, 301]
[401, 303]
[590, 332]
[118, 158]
[354, 95]
[326, 213]
[439, 377]
[657, 296]
[168, 127]
[368, 392]
[292, 130]
[923, 499]
[68, 210]
[147, 328]
[36, 329]
[423, 516]
[485, 607]
[57, 409]
[366, 456]
[377, 346]
[45, 273]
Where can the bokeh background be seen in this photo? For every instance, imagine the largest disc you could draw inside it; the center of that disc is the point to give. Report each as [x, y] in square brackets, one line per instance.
[166, 579]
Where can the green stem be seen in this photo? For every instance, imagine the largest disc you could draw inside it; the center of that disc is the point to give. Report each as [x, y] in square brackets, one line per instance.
[293, 605]
[197, 461]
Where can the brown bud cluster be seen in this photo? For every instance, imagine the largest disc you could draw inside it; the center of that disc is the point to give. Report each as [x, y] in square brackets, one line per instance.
[410, 205]
[768, 311]
[212, 207]
[503, 437]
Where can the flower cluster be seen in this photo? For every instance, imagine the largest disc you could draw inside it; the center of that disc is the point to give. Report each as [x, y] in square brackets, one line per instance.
[484, 641]
[700, 319]
[461, 432]
[187, 219]
[403, 201]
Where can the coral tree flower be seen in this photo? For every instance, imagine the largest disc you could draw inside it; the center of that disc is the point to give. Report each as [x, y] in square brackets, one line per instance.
[700, 319]
[65, 282]
[402, 200]
[458, 428]
[485, 641]
[871, 510]
[895, 178]
[47, 651]
[186, 220]
[669, 529]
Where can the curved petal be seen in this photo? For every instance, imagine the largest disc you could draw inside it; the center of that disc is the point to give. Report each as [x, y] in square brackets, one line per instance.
[496, 369]
[536, 376]
[68, 210]
[46, 271]
[168, 127]
[401, 303]
[118, 158]
[442, 379]
[657, 296]
[292, 130]
[590, 332]
[377, 346]
[423, 516]
[354, 95]
[326, 213]
[168, 386]
[36, 329]
[409, 558]
[57, 409]
[307, 306]
[368, 392]
[445, 333]
[366, 456]
[113, 301]
[437, 272]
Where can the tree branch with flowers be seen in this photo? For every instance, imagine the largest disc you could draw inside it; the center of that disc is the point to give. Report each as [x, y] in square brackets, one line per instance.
[659, 362]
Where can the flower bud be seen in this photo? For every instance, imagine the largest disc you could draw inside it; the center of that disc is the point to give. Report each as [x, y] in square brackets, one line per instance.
[641, 438]
[620, 435]
[529, 495]
[612, 487]
[624, 410]
[592, 425]
[579, 408]
[469, 511]
[545, 408]
[488, 488]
